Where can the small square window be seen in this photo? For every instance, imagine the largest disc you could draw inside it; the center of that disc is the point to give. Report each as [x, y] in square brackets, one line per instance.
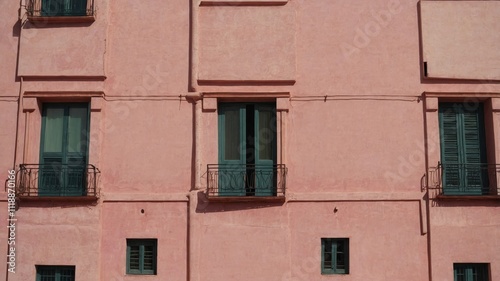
[471, 272]
[141, 256]
[55, 273]
[335, 255]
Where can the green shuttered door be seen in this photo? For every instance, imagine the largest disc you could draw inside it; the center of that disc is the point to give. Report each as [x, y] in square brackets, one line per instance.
[247, 149]
[63, 153]
[463, 150]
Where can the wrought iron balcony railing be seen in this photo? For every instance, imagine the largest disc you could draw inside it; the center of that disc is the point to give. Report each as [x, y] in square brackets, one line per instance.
[60, 8]
[57, 180]
[246, 180]
[465, 179]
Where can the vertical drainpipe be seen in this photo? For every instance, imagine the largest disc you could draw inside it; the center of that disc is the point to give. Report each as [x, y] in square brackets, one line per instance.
[193, 239]
[195, 98]
[18, 122]
[20, 99]
[193, 45]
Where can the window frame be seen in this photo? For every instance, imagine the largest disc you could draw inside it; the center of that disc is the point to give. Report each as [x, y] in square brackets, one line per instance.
[465, 170]
[334, 263]
[56, 268]
[64, 154]
[483, 268]
[142, 242]
[258, 169]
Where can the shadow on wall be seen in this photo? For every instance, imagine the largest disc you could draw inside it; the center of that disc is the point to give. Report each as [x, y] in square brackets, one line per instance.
[205, 206]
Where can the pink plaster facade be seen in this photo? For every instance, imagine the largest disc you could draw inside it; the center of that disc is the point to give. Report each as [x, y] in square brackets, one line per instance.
[356, 84]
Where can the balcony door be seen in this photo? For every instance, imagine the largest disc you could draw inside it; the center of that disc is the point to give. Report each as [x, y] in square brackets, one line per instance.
[463, 149]
[63, 150]
[247, 149]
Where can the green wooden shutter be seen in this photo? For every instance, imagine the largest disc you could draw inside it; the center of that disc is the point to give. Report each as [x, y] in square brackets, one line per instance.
[265, 149]
[51, 180]
[149, 258]
[133, 260]
[476, 173]
[463, 152]
[450, 147]
[232, 149]
[326, 255]
[341, 256]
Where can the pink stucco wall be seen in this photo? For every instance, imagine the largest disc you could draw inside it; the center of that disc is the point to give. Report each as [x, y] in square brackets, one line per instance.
[357, 125]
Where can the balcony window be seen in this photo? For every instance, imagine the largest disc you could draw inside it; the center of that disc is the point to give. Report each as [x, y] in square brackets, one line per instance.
[471, 272]
[63, 150]
[63, 169]
[54, 8]
[55, 273]
[465, 170]
[60, 10]
[247, 152]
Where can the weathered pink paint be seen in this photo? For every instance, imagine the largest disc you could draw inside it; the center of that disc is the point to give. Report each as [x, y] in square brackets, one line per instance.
[357, 126]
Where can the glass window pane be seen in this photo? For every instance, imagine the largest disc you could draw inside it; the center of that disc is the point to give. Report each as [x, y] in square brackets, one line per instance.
[266, 133]
[77, 129]
[53, 131]
[232, 134]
